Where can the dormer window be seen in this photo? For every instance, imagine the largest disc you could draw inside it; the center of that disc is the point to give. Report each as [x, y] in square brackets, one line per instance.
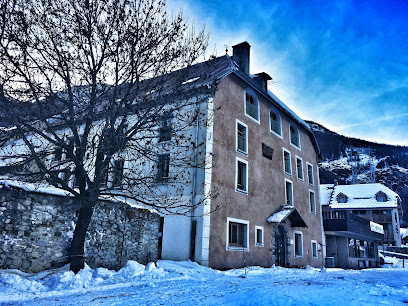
[275, 122]
[251, 105]
[342, 198]
[381, 197]
[294, 135]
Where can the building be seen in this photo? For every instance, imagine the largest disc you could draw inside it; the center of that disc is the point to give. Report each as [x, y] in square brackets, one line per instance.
[258, 201]
[374, 202]
[264, 173]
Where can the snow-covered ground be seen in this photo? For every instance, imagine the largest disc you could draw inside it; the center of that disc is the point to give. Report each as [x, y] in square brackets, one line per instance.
[190, 284]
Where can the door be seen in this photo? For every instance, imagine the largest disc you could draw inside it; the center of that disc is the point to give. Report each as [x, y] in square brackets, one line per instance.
[280, 247]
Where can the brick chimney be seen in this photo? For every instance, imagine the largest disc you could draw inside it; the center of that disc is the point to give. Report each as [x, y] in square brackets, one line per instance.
[240, 54]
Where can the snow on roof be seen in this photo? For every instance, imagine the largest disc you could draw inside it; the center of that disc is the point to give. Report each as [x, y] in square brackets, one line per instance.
[281, 215]
[404, 232]
[364, 196]
[326, 191]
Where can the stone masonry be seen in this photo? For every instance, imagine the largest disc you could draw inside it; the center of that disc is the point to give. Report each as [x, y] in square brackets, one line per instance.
[36, 232]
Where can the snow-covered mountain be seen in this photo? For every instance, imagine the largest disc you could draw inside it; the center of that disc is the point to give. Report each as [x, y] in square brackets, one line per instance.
[391, 162]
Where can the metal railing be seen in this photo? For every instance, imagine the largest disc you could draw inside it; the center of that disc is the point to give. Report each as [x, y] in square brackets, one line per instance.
[397, 255]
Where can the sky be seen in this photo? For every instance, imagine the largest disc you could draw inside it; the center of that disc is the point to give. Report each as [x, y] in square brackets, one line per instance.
[343, 64]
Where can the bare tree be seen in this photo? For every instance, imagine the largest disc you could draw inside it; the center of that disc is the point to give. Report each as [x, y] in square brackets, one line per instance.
[95, 109]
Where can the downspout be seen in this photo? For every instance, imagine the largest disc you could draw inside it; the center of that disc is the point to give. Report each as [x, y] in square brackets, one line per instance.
[194, 183]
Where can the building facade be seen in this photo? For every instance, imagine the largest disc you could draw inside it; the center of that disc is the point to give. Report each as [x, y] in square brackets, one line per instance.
[374, 202]
[264, 180]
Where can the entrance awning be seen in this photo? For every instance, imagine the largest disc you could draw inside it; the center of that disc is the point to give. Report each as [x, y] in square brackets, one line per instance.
[288, 212]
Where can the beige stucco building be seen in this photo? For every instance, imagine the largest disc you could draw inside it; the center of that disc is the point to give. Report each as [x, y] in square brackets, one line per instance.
[264, 182]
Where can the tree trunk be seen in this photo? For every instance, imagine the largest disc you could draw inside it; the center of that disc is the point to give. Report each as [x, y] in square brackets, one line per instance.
[78, 240]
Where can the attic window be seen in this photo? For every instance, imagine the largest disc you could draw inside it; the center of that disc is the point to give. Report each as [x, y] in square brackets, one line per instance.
[381, 197]
[341, 198]
[251, 105]
[294, 135]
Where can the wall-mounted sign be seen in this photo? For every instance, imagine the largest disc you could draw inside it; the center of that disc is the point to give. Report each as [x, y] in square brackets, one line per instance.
[267, 151]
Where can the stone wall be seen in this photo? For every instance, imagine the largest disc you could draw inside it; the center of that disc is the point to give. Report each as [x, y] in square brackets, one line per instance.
[36, 232]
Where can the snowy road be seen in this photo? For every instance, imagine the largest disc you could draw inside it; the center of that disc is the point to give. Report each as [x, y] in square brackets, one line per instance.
[189, 284]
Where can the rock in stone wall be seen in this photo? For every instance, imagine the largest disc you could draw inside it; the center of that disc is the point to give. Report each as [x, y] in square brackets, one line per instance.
[36, 232]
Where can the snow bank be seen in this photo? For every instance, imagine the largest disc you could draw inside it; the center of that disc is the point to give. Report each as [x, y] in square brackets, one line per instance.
[64, 279]
[393, 262]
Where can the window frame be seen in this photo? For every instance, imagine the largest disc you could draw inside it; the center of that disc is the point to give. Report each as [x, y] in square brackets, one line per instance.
[121, 167]
[314, 242]
[341, 195]
[301, 167]
[245, 223]
[295, 233]
[292, 124]
[165, 128]
[259, 228]
[162, 161]
[381, 194]
[272, 110]
[290, 162]
[251, 93]
[286, 193]
[312, 211]
[237, 161]
[308, 177]
[237, 124]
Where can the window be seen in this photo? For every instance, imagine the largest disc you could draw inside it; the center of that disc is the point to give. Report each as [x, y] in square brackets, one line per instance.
[242, 176]
[242, 139]
[294, 135]
[314, 249]
[288, 192]
[165, 129]
[237, 234]
[65, 176]
[381, 197]
[275, 122]
[251, 105]
[117, 172]
[58, 154]
[286, 162]
[299, 168]
[259, 241]
[298, 244]
[341, 198]
[312, 202]
[163, 165]
[310, 174]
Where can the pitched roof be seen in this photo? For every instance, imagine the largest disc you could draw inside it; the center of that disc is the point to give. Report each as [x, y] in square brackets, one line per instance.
[359, 196]
[326, 191]
[201, 75]
[288, 212]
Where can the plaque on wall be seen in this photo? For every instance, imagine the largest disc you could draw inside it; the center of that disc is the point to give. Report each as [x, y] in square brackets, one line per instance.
[267, 151]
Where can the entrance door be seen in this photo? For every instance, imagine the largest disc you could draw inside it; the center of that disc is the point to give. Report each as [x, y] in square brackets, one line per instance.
[280, 247]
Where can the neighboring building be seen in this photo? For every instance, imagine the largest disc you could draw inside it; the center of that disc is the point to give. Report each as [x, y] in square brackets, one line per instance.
[374, 202]
[265, 175]
[404, 236]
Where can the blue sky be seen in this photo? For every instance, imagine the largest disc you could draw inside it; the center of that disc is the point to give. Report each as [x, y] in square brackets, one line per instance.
[343, 64]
